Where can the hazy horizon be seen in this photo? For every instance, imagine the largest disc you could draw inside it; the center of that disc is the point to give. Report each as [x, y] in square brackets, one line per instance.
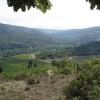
[63, 15]
[50, 28]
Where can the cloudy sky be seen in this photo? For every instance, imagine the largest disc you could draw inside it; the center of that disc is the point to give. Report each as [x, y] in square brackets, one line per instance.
[65, 14]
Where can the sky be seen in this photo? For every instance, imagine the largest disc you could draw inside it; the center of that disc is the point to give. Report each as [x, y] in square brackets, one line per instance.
[64, 14]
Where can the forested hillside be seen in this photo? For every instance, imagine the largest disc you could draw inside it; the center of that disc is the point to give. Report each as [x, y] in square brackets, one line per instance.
[21, 35]
[91, 48]
[15, 40]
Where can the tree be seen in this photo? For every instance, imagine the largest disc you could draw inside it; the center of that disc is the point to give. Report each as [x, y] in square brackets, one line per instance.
[42, 5]
[94, 3]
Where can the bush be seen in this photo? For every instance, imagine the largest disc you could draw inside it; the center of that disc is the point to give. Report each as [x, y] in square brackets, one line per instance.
[20, 77]
[64, 71]
[35, 65]
[27, 88]
[86, 86]
[64, 66]
[31, 81]
[1, 69]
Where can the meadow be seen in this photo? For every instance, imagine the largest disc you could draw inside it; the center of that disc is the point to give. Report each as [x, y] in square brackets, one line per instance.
[17, 65]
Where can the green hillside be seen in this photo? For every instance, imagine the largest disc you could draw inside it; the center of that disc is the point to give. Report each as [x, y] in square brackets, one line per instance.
[18, 40]
[91, 48]
[14, 40]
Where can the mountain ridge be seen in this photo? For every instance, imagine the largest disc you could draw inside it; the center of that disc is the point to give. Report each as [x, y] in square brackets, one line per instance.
[23, 34]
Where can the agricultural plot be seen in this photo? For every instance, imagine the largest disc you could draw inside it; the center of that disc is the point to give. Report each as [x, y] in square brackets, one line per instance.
[16, 65]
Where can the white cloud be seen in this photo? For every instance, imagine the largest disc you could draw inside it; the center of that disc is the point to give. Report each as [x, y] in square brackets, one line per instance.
[65, 14]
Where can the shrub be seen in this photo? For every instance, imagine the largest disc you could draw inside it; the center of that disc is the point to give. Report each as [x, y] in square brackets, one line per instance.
[2, 88]
[1, 69]
[20, 77]
[64, 66]
[35, 65]
[64, 71]
[86, 86]
[31, 81]
[27, 88]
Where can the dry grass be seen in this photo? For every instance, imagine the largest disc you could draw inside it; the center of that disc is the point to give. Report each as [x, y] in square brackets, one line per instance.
[49, 88]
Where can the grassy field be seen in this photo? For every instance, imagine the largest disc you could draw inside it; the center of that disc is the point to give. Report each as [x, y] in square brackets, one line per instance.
[16, 65]
[22, 56]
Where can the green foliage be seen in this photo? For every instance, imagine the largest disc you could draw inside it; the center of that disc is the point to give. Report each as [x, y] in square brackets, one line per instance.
[86, 86]
[42, 5]
[17, 67]
[64, 66]
[94, 3]
[18, 40]
[1, 69]
[64, 71]
[63, 63]
[91, 48]
[22, 56]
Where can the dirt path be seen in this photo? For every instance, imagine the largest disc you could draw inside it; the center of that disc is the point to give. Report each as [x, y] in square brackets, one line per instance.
[47, 61]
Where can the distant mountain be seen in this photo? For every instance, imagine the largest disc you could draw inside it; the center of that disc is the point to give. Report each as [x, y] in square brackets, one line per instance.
[76, 35]
[12, 37]
[26, 36]
[80, 35]
[15, 40]
[23, 33]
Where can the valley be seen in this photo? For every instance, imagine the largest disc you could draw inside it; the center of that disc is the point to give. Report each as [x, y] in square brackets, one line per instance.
[65, 67]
